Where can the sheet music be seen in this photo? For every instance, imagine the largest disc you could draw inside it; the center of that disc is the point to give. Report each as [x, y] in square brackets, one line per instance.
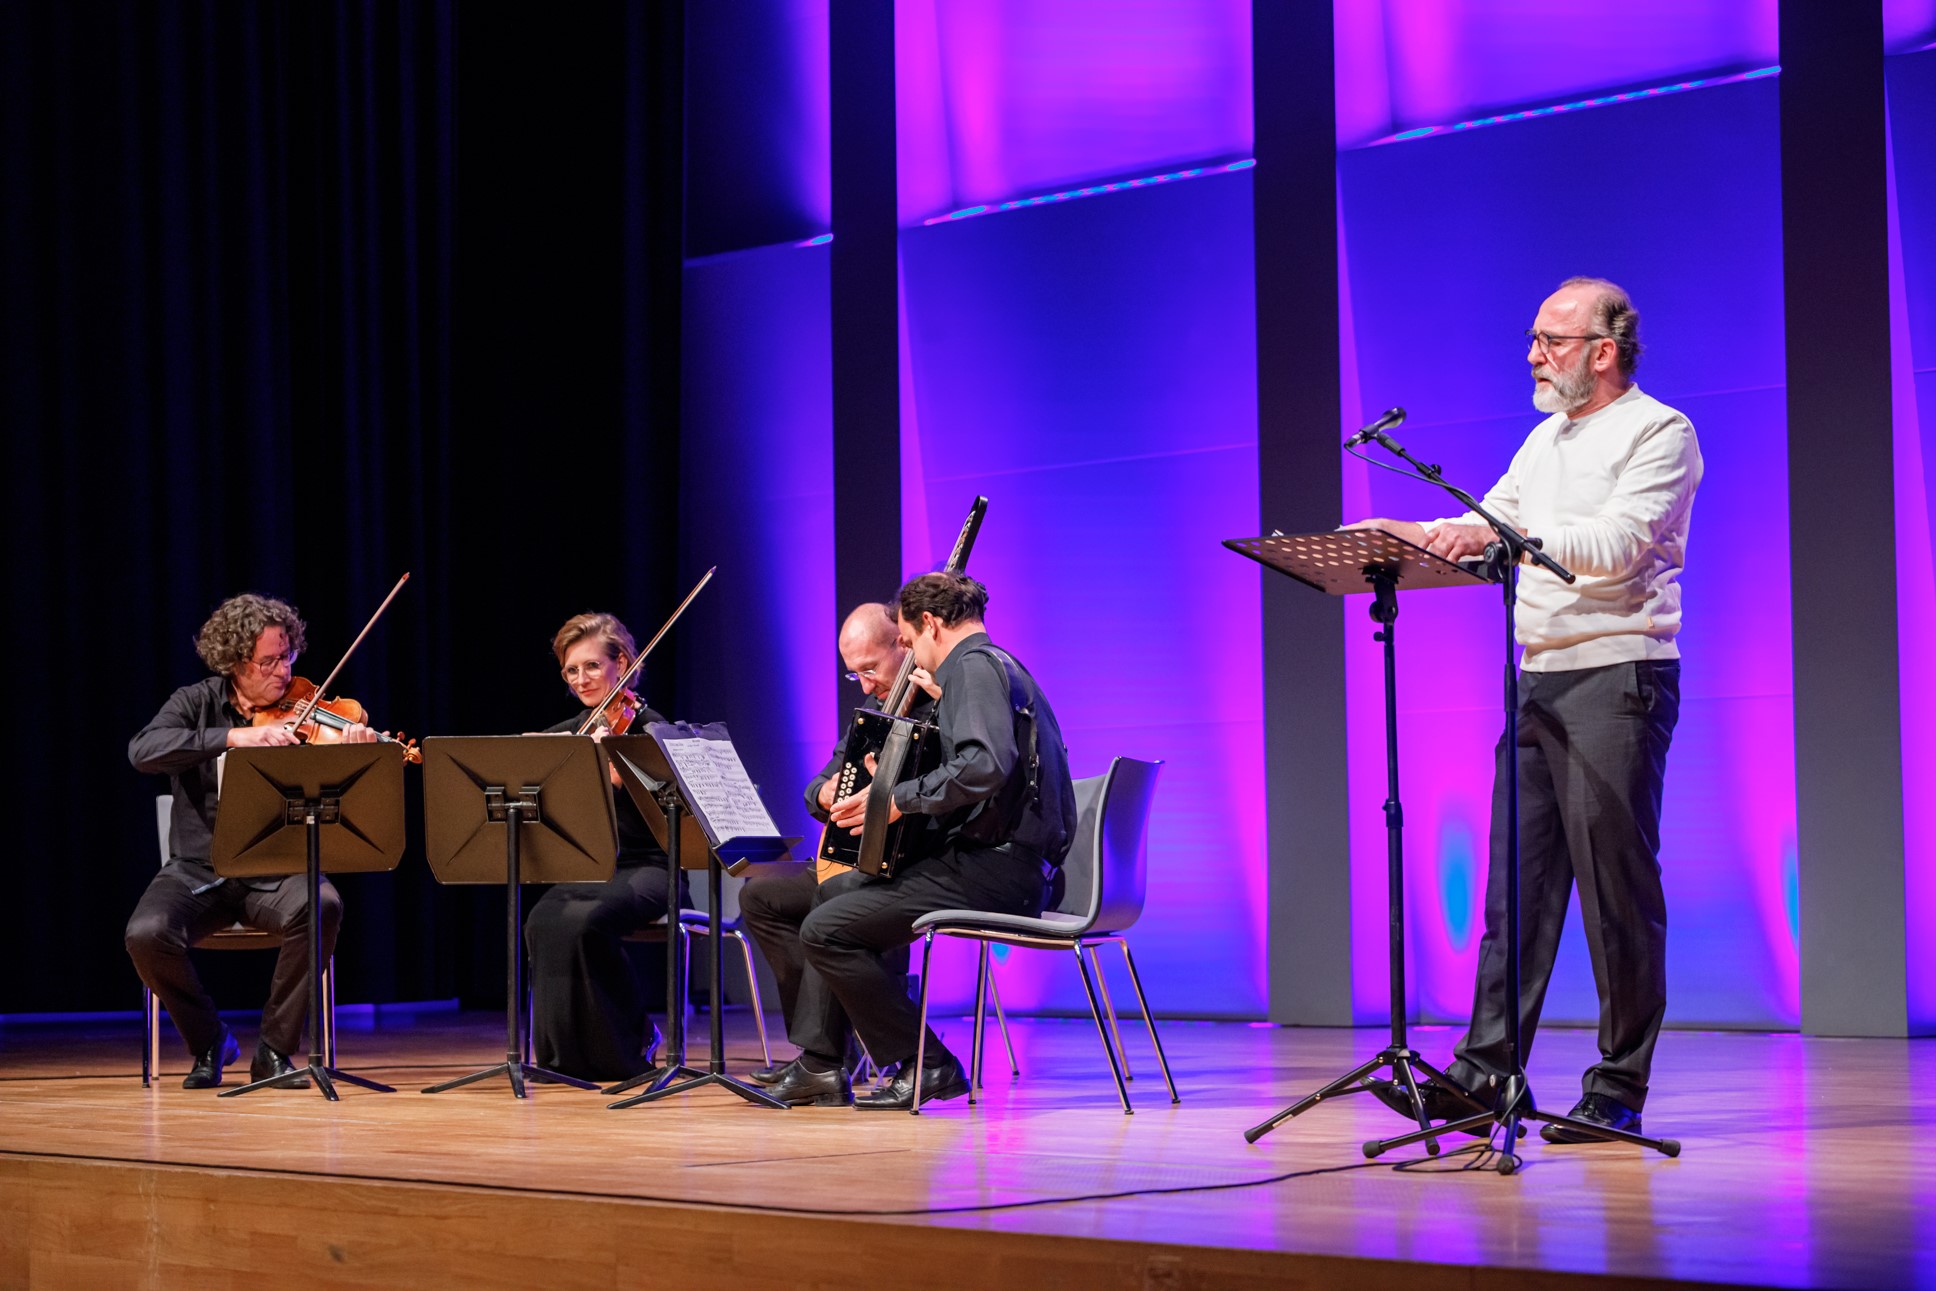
[719, 788]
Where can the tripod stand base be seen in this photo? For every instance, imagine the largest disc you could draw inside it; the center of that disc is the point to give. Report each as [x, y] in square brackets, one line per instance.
[518, 1072]
[649, 1075]
[1514, 1111]
[1404, 1063]
[677, 1080]
[322, 1077]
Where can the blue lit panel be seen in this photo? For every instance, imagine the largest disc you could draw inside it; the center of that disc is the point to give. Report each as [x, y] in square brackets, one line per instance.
[1450, 249]
[1091, 368]
[755, 492]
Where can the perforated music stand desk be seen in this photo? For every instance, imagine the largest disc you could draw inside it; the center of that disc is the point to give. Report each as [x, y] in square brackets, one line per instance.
[517, 809]
[679, 805]
[1340, 562]
[276, 803]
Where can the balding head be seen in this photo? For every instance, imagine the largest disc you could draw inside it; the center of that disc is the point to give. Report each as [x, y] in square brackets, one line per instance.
[870, 646]
[1584, 343]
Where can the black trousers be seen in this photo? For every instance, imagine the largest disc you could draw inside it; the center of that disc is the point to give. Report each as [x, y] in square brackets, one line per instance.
[1591, 760]
[848, 937]
[590, 1016]
[773, 906]
[172, 915]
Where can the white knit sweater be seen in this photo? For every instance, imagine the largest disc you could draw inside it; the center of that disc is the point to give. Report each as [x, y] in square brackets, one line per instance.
[1610, 494]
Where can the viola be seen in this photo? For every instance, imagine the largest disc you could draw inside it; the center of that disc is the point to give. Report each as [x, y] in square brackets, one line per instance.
[323, 721]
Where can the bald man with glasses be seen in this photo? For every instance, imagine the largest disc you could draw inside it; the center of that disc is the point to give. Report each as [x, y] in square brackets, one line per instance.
[774, 904]
[1607, 484]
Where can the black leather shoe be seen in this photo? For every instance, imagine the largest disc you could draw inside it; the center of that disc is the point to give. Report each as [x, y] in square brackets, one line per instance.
[798, 1087]
[946, 1080]
[1441, 1104]
[1594, 1109]
[267, 1063]
[768, 1075]
[207, 1071]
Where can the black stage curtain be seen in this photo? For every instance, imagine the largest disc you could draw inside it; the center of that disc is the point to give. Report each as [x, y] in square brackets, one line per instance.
[298, 297]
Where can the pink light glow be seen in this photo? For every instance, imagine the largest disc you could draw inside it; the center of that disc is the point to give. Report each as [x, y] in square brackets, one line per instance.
[1915, 628]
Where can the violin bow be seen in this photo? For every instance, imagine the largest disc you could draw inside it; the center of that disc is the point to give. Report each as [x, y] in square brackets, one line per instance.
[317, 698]
[591, 718]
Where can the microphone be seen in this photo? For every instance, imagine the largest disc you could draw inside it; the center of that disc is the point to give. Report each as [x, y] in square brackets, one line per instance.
[1376, 430]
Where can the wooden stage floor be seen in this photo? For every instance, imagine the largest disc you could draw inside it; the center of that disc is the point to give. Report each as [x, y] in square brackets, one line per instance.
[1807, 1162]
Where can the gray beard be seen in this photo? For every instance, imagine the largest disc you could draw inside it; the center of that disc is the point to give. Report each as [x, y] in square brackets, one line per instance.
[1565, 391]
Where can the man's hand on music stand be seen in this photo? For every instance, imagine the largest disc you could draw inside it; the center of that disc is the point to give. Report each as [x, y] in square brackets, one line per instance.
[1410, 530]
[1456, 542]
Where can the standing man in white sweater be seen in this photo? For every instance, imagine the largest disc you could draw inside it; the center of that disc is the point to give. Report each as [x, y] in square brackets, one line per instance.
[1607, 483]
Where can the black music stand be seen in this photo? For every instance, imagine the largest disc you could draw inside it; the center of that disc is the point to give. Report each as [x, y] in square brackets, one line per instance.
[517, 809]
[1339, 562]
[275, 803]
[643, 771]
[693, 774]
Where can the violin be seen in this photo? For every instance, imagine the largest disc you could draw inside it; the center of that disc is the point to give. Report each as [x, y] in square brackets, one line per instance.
[323, 721]
[622, 705]
[616, 714]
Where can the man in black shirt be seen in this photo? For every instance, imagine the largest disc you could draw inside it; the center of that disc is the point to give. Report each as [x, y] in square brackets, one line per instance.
[1004, 810]
[774, 904]
[250, 643]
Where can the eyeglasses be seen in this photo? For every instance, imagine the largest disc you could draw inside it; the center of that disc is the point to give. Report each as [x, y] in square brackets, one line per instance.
[592, 669]
[267, 667]
[868, 673]
[1546, 340]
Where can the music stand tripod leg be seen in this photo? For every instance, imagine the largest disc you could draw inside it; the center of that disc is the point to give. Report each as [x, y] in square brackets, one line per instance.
[514, 1068]
[318, 1070]
[680, 1078]
[1398, 1055]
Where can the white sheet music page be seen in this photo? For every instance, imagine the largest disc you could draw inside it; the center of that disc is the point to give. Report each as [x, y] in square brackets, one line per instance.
[721, 791]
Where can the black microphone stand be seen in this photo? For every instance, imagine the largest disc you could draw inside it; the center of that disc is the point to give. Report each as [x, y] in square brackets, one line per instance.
[1513, 1105]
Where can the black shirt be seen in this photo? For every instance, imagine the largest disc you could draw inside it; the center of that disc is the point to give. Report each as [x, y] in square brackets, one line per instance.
[182, 742]
[980, 752]
[636, 846]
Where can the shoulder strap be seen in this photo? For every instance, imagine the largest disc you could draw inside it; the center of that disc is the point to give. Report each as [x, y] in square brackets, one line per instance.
[1021, 701]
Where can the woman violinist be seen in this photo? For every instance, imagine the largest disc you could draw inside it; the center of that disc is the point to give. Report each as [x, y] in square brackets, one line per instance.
[250, 643]
[589, 1013]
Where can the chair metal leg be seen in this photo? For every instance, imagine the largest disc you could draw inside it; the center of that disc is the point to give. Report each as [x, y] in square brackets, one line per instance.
[530, 1019]
[1095, 1011]
[921, 1035]
[981, 1021]
[1109, 1007]
[328, 1020]
[1136, 981]
[150, 1042]
[686, 1008]
[1001, 1020]
[753, 987]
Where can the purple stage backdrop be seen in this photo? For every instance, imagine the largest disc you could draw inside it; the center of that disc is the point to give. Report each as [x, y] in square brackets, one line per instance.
[1091, 367]
[1912, 116]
